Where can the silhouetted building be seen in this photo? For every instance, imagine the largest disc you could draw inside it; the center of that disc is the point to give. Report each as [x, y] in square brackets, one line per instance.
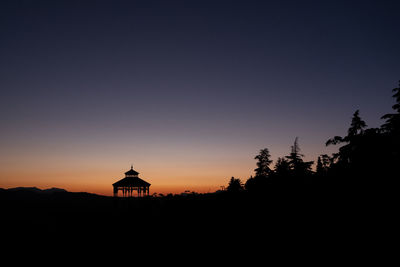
[131, 183]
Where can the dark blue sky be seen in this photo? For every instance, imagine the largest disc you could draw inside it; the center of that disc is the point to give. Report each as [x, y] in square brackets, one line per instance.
[144, 80]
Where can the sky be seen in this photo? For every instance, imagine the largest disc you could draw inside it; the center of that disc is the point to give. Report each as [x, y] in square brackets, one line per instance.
[186, 91]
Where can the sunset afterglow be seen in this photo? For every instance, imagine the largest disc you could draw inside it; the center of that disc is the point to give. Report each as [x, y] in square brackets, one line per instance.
[187, 92]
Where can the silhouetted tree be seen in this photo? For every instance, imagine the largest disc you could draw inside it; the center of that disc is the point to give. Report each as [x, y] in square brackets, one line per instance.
[323, 164]
[235, 185]
[327, 161]
[356, 128]
[392, 124]
[366, 157]
[347, 152]
[298, 167]
[250, 184]
[323, 169]
[319, 169]
[362, 160]
[282, 168]
[263, 173]
[295, 156]
[391, 140]
[357, 125]
[263, 163]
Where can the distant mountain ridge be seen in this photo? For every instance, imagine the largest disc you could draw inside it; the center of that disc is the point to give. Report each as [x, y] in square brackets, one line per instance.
[36, 190]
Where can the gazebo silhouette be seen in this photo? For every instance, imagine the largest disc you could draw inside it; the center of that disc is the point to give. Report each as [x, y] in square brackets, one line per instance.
[131, 183]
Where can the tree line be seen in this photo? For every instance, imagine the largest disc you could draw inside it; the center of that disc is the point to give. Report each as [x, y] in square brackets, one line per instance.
[366, 158]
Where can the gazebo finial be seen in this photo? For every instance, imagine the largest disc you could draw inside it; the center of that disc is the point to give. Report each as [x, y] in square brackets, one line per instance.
[131, 166]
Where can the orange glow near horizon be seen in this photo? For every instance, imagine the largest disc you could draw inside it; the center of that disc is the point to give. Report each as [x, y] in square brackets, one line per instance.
[187, 94]
[102, 185]
[168, 167]
[163, 181]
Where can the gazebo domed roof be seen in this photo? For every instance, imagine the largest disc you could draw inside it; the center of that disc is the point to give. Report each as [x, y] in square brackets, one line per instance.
[131, 181]
[131, 172]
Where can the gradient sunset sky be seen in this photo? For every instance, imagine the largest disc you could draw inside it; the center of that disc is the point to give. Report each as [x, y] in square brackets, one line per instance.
[186, 91]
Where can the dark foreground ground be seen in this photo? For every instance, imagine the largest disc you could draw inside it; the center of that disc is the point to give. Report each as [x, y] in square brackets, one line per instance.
[323, 221]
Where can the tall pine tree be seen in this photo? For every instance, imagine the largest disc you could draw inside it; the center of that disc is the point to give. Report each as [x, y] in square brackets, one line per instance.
[263, 162]
[298, 167]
